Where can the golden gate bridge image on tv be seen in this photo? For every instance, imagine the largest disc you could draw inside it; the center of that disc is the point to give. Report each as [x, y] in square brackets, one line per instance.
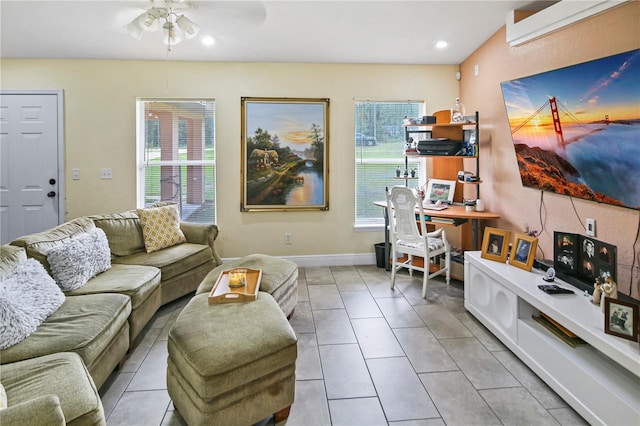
[598, 160]
[555, 109]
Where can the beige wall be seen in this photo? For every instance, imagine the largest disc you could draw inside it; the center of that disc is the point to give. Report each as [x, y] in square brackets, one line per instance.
[612, 32]
[100, 132]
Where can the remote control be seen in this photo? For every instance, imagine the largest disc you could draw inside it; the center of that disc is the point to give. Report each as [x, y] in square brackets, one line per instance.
[554, 289]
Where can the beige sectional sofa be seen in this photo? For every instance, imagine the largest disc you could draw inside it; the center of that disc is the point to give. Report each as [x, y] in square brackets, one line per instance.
[100, 321]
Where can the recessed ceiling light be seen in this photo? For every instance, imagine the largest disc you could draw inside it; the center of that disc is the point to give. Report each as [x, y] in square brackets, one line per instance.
[441, 44]
[207, 40]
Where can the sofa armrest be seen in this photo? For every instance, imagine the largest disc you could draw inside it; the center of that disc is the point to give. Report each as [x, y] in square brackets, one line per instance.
[202, 233]
[42, 410]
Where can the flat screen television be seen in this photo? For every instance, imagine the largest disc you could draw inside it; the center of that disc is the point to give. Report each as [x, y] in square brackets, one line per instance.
[576, 130]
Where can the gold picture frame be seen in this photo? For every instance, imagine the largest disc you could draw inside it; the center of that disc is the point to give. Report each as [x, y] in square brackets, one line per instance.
[285, 154]
[523, 251]
[495, 244]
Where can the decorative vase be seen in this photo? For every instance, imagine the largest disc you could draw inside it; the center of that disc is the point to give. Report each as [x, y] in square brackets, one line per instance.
[457, 112]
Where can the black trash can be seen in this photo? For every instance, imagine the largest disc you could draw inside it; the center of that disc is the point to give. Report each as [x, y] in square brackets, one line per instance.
[379, 248]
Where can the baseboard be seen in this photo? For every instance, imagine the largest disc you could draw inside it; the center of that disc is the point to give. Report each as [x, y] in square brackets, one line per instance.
[328, 259]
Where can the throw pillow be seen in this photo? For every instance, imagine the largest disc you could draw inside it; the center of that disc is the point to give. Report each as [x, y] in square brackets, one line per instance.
[123, 231]
[79, 259]
[161, 227]
[29, 295]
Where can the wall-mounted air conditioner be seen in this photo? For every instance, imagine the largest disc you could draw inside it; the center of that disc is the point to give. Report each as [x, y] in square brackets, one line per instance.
[559, 15]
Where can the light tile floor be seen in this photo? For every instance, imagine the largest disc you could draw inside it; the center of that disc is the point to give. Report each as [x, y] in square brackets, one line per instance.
[367, 355]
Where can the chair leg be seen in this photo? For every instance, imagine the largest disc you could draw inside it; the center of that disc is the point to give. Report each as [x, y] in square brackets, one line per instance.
[411, 263]
[447, 264]
[425, 280]
[394, 266]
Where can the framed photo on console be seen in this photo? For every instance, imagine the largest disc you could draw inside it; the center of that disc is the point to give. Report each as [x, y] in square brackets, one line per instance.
[495, 244]
[565, 252]
[441, 190]
[584, 257]
[621, 318]
[523, 251]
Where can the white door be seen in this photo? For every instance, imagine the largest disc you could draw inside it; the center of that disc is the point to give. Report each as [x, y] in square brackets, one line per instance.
[31, 166]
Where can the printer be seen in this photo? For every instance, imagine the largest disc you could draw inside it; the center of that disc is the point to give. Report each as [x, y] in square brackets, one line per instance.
[440, 146]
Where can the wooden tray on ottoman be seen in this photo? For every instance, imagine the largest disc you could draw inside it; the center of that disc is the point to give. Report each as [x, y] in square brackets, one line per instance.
[223, 293]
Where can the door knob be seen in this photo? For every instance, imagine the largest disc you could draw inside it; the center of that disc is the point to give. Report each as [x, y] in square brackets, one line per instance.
[51, 194]
[52, 181]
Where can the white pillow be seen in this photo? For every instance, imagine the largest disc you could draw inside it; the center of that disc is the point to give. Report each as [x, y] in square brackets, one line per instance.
[29, 295]
[79, 259]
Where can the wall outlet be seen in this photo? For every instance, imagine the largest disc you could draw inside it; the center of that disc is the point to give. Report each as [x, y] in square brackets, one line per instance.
[287, 237]
[106, 173]
[591, 227]
[75, 174]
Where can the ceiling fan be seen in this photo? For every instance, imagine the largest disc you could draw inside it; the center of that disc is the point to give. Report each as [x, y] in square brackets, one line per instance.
[181, 19]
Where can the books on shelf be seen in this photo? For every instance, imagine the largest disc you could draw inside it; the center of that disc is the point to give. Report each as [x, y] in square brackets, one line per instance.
[448, 220]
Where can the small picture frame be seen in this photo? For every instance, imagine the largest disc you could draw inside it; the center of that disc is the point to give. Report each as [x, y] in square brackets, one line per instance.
[621, 318]
[495, 244]
[441, 190]
[565, 252]
[523, 251]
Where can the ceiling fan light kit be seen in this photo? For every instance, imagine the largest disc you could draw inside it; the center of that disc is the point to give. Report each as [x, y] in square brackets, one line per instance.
[168, 15]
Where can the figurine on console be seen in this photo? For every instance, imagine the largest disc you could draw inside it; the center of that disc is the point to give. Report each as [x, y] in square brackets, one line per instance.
[609, 289]
[597, 291]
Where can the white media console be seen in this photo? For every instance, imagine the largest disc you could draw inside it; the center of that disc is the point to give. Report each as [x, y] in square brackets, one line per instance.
[600, 380]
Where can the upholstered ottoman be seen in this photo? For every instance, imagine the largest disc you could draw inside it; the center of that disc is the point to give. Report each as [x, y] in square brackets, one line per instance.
[231, 363]
[279, 278]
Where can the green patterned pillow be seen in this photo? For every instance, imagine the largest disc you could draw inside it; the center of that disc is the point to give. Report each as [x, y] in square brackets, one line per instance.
[160, 227]
[3, 397]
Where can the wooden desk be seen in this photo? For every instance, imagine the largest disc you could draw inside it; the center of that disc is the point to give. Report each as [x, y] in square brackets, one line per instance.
[451, 212]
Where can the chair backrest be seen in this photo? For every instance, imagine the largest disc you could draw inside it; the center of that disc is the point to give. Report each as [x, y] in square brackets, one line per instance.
[443, 116]
[401, 209]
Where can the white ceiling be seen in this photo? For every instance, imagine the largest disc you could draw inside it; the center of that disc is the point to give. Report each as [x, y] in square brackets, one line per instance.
[385, 32]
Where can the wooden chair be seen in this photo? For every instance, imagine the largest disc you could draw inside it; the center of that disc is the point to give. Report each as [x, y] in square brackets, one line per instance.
[443, 116]
[407, 238]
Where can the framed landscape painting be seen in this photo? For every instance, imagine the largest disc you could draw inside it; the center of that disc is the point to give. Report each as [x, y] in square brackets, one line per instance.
[285, 154]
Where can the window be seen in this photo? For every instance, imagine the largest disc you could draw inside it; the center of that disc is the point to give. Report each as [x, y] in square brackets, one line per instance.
[379, 143]
[176, 146]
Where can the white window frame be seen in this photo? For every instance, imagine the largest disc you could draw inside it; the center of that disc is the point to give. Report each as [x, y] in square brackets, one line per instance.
[376, 224]
[141, 153]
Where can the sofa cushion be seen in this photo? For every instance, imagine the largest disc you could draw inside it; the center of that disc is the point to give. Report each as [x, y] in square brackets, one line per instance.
[41, 410]
[10, 258]
[78, 259]
[136, 281]
[38, 244]
[61, 374]
[161, 227]
[83, 324]
[123, 231]
[172, 261]
[29, 295]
